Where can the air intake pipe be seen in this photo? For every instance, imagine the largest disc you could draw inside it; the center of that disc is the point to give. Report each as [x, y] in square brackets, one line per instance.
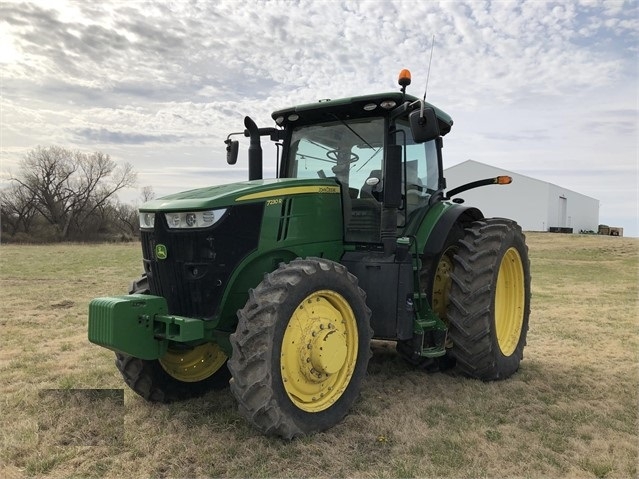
[254, 150]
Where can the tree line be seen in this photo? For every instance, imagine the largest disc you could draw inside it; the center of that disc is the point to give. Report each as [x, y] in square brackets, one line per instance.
[64, 195]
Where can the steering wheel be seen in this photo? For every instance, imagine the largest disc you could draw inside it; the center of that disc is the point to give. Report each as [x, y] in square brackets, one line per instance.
[333, 155]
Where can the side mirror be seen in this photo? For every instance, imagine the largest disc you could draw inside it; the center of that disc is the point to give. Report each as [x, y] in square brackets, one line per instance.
[424, 128]
[232, 148]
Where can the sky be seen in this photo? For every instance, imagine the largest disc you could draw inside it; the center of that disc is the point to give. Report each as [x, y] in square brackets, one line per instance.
[544, 89]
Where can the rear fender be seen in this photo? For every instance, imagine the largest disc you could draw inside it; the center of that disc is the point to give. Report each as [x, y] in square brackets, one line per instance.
[431, 234]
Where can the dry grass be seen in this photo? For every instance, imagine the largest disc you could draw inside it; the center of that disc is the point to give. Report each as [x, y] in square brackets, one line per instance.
[571, 411]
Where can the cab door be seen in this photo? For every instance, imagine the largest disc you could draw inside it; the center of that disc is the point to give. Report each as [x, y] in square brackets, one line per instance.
[352, 152]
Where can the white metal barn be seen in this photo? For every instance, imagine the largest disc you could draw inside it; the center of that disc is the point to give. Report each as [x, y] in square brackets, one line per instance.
[536, 205]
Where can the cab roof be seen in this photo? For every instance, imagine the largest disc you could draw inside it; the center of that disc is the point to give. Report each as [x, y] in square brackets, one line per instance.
[352, 107]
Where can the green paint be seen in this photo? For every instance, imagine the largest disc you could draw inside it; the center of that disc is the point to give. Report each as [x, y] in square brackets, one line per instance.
[126, 324]
[223, 196]
[139, 325]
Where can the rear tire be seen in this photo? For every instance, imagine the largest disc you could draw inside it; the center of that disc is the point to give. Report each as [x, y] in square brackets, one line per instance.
[490, 299]
[301, 348]
[180, 374]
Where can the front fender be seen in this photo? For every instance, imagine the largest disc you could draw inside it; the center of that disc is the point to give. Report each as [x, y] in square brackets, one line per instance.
[250, 273]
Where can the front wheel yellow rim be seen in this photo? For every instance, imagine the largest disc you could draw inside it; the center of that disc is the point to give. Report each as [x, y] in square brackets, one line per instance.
[510, 298]
[319, 351]
[195, 364]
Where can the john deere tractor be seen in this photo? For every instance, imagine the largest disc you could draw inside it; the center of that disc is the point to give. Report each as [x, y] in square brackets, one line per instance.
[279, 285]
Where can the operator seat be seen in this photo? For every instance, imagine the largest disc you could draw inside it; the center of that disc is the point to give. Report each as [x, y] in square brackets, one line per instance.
[366, 211]
[416, 195]
[371, 188]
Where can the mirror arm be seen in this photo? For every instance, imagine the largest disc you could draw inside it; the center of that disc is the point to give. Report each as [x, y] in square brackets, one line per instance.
[405, 108]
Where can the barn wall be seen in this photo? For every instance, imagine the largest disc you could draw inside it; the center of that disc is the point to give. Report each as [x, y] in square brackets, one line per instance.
[533, 203]
[570, 209]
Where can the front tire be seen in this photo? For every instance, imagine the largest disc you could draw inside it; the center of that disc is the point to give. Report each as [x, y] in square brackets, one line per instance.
[490, 299]
[182, 373]
[301, 348]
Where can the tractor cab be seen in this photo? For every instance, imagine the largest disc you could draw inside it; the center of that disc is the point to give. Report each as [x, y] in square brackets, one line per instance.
[366, 145]
[383, 150]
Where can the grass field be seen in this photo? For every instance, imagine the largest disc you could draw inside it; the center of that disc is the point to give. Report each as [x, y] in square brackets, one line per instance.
[571, 410]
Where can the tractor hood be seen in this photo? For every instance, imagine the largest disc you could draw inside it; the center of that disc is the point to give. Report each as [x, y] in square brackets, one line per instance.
[222, 196]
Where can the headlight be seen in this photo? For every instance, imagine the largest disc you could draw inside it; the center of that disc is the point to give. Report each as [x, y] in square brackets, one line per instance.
[147, 220]
[194, 219]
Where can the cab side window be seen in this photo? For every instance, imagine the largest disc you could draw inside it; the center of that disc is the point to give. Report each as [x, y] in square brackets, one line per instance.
[420, 172]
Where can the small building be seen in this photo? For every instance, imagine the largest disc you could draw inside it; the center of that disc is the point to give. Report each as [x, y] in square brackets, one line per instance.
[610, 230]
[536, 205]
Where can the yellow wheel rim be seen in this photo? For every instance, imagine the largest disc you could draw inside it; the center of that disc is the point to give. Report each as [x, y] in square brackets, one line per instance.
[195, 364]
[319, 351]
[510, 298]
[442, 284]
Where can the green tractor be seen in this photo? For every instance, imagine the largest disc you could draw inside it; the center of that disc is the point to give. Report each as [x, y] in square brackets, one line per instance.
[279, 285]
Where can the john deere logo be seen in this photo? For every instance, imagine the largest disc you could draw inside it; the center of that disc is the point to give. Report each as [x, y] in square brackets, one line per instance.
[160, 251]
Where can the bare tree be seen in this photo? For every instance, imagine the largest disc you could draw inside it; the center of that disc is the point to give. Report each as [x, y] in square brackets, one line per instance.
[127, 220]
[18, 209]
[68, 187]
[147, 194]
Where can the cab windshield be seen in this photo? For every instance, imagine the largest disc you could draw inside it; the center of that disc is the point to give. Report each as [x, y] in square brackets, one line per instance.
[352, 152]
[347, 150]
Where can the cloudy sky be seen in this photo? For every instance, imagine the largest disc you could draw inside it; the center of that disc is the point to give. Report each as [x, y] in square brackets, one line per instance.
[545, 89]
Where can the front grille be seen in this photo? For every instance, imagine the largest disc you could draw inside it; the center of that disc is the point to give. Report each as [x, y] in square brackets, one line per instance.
[199, 263]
